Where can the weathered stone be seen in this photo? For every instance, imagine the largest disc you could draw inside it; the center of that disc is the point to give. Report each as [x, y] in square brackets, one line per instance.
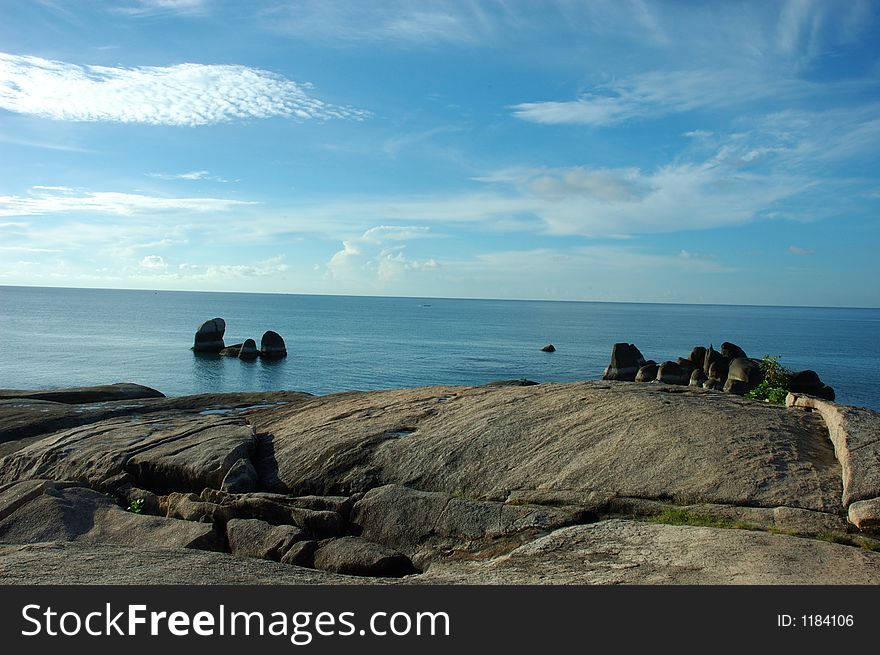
[421, 523]
[241, 478]
[232, 351]
[104, 564]
[626, 360]
[635, 552]
[737, 387]
[686, 365]
[79, 514]
[714, 357]
[16, 494]
[277, 509]
[855, 433]
[698, 356]
[549, 348]
[648, 372]
[589, 436]
[698, 378]
[249, 350]
[747, 371]
[146, 501]
[301, 553]
[712, 384]
[209, 337]
[671, 373]
[79, 395]
[255, 538]
[272, 346]
[731, 351]
[718, 371]
[808, 382]
[162, 454]
[865, 514]
[357, 556]
[521, 382]
[594, 501]
[189, 507]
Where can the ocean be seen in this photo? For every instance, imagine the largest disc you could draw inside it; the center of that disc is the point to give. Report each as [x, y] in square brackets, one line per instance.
[52, 337]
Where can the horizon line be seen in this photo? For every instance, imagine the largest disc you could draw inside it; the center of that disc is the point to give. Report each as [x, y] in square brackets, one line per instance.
[348, 295]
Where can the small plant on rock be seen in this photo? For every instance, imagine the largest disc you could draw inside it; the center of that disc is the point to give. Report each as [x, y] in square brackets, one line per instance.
[136, 506]
[775, 385]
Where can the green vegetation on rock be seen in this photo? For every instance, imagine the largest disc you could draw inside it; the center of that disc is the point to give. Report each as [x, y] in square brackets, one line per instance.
[775, 385]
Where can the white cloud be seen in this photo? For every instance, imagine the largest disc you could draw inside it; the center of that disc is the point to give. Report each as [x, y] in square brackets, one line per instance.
[153, 262]
[55, 200]
[194, 176]
[657, 93]
[378, 255]
[151, 7]
[803, 252]
[265, 268]
[184, 94]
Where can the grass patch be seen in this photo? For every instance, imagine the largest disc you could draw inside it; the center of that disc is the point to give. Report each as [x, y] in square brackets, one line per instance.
[674, 516]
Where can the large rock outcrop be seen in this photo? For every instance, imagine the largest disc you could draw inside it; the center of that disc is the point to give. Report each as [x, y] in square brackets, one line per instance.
[589, 482]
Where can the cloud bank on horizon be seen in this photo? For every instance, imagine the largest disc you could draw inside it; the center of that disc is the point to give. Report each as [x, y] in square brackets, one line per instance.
[639, 151]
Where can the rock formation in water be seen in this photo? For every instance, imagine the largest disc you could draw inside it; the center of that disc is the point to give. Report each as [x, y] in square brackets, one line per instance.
[730, 370]
[272, 346]
[248, 350]
[209, 337]
[626, 360]
[503, 483]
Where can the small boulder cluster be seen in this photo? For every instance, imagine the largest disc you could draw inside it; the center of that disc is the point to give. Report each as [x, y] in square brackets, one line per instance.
[209, 339]
[728, 369]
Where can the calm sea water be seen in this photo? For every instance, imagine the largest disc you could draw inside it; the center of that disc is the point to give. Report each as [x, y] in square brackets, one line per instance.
[70, 337]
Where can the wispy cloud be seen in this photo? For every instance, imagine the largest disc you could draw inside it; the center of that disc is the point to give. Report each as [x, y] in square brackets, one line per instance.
[803, 252]
[185, 94]
[397, 22]
[153, 7]
[658, 93]
[189, 175]
[60, 200]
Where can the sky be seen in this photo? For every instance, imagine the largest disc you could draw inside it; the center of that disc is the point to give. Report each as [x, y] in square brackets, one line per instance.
[638, 151]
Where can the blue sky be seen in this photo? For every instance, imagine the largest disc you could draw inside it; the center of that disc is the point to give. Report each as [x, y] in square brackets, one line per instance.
[632, 151]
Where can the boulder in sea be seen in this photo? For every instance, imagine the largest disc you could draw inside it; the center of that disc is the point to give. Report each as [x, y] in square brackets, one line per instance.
[712, 357]
[232, 351]
[808, 382]
[272, 346]
[672, 373]
[248, 350]
[718, 370]
[626, 360]
[648, 372]
[698, 356]
[549, 348]
[209, 337]
[743, 375]
[731, 351]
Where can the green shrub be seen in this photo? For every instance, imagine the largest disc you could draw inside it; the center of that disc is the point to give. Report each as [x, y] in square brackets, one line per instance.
[775, 385]
[136, 506]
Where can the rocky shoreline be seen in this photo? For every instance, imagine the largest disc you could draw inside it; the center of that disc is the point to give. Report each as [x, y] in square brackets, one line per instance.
[512, 482]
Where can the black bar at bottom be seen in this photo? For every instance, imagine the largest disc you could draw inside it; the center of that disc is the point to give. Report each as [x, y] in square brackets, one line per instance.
[502, 619]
